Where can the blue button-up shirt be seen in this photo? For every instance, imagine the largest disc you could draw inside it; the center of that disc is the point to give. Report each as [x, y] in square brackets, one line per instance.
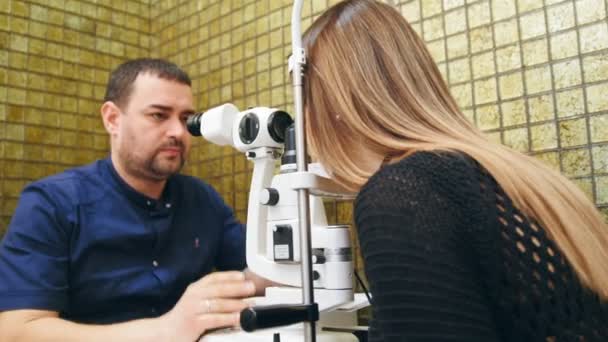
[87, 245]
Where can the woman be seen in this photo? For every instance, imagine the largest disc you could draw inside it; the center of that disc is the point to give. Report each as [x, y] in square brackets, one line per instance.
[463, 239]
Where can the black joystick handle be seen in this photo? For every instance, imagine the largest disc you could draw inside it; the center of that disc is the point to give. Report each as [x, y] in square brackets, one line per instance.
[261, 317]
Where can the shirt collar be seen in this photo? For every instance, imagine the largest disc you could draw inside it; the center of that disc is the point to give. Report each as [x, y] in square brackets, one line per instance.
[140, 199]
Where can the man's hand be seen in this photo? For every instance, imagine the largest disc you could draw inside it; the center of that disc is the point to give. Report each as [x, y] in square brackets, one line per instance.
[213, 302]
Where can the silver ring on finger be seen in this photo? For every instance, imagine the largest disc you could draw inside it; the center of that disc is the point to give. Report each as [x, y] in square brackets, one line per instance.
[207, 306]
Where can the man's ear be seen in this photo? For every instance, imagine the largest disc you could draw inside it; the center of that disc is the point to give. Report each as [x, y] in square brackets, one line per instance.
[110, 113]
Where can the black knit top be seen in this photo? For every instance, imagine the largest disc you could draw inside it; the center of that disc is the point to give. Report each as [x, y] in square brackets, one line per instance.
[449, 258]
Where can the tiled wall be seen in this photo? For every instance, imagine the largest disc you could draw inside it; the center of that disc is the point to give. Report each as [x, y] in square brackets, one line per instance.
[55, 56]
[531, 73]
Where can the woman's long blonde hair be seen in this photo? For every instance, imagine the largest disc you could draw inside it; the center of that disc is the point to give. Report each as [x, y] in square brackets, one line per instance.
[370, 81]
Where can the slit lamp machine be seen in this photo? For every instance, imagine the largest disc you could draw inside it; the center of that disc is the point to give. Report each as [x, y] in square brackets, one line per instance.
[288, 239]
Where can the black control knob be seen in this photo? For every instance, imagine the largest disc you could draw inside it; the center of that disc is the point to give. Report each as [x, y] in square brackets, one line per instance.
[269, 196]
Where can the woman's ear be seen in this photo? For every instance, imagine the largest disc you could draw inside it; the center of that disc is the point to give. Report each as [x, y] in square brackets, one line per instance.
[110, 113]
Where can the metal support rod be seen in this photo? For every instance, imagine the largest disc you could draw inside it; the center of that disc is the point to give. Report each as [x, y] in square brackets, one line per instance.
[299, 60]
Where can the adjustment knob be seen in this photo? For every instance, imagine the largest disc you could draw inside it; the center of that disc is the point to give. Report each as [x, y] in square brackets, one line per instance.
[269, 196]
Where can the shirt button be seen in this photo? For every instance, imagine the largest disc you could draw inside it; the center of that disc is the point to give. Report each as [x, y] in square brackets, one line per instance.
[149, 203]
[155, 263]
[168, 205]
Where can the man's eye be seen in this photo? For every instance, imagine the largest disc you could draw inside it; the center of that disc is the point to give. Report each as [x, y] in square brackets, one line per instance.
[157, 116]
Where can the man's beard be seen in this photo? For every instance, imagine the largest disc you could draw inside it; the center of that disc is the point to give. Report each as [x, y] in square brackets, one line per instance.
[153, 167]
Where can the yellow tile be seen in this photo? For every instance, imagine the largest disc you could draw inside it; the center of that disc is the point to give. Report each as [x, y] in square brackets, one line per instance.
[14, 132]
[18, 42]
[600, 158]
[344, 212]
[567, 74]
[276, 19]
[277, 76]
[488, 117]
[37, 29]
[506, 32]
[528, 5]
[598, 126]
[517, 139]
[430, 8]
[595, 67]
[40, 13]
[604, 212]
[437, 50]
[459, 70]
[278, 96]
[411, 11]
[573, 132]
[588, 11]
[463, 95]
[503, 9]
[601, 189]
[532, 25]
[4, 24]
[485, 91]
[543, 136]
[564, 45]
[538, 80]
[479, 14]
[35, 99]
[535, 52]
[17, 78]
[449, 4]
[508, 58]
[560, 17]
[513, 112]
[481, 39]
[20, 8]
[597, 99]
[13, 150]
[455, 21]
[433, 28]
[541, 108]
[594, 37]
[511, 86]
[277, 58]
[16, 96]
[458, 46]
[483, 65]
[263, 62]
[570, 102]
[263, 79]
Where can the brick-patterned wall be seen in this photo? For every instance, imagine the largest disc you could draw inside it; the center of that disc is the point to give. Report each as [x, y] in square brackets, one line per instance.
[55, 57]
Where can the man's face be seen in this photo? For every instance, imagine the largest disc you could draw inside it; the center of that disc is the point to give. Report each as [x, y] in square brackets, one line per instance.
[152, 141]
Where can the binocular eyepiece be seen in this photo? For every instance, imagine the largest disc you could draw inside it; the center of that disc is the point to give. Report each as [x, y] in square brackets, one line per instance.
[255, 126]
[193, 123]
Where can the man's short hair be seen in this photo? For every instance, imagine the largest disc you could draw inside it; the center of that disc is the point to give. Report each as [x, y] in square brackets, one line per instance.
[120, 85]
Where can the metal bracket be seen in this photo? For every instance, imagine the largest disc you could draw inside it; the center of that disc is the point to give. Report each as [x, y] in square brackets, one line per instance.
[298, 57]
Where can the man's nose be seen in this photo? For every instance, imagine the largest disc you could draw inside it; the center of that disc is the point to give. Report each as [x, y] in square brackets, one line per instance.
[177, 127]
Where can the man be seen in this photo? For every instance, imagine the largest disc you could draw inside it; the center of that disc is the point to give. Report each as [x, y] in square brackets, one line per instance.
[115, 250]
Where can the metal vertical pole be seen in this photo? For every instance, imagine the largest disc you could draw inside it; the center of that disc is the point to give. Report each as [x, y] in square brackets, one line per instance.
[299, 61]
